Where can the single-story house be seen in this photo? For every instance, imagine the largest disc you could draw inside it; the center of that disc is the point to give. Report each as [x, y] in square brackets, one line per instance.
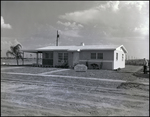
[105, 56]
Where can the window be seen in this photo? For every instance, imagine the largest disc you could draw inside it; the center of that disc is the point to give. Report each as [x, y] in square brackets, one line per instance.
[65, 57]
[62, 57]
[99, 55]
[46, 55]
[96, 55]
[116, 56]
[122, 57]
[51, 55]
[93, 55]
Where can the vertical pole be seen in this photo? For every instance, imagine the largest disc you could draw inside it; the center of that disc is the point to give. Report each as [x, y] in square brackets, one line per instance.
[57, 39]
[37, 58]
[23, 58]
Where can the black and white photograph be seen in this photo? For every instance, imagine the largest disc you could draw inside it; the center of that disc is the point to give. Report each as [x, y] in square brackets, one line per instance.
[75, 58]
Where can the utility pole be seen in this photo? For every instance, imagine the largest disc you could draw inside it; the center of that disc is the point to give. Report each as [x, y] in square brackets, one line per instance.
[57, 38]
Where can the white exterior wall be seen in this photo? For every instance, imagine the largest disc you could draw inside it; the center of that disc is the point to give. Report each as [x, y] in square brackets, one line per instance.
[119, 63]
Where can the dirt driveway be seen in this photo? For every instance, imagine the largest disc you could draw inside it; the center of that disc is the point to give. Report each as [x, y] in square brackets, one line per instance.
[33, 95]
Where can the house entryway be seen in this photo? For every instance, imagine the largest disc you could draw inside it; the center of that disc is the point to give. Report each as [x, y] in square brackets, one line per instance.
[75, 58]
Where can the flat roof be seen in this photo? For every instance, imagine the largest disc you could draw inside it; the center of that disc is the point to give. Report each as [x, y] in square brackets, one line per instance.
[76, 48]
[85, 47]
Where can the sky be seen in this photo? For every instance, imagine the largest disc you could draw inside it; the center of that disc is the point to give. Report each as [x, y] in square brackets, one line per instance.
[34, 24]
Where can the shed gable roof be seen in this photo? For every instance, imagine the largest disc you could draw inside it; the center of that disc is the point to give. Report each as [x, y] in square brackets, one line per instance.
[123, 48]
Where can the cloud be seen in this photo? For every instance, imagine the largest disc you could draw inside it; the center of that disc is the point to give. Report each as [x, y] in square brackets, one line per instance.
[142, 29]
[137, 4]
[15, 42]
[112, 5]
[80, 16]
[71, 25]
[92, 14]
[71, 29]
[6, 43]
[3, 25]
[119, 18]
[9, 42]
[70, 33]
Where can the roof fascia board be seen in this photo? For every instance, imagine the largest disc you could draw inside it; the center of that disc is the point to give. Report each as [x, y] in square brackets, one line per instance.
[124, 49]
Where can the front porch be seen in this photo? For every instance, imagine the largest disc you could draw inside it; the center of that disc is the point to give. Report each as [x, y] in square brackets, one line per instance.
[35, 60]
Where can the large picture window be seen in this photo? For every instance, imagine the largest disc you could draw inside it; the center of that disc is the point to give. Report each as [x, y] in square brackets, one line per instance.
[62, 57]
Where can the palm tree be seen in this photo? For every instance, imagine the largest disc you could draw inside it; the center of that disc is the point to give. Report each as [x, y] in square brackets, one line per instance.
[16, 52]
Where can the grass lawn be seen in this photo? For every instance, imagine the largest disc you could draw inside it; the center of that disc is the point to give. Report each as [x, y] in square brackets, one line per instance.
[26, 61]
[32, 70]
[104, 74]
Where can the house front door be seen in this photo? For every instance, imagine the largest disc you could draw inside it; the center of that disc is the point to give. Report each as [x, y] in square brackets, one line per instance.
[75, 58]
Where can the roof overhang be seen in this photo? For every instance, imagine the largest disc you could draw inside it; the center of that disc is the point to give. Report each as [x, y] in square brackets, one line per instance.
[75, 49]
[32, 51]
[97, 49]
[70, 50]
[45, 50]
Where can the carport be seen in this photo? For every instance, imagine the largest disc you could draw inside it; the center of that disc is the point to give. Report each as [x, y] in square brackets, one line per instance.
[32, 51]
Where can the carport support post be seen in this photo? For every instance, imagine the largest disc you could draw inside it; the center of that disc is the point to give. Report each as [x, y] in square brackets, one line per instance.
[37, 58]
[23, 59]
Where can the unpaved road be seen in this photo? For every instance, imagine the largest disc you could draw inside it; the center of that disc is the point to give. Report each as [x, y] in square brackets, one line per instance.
[46, 95]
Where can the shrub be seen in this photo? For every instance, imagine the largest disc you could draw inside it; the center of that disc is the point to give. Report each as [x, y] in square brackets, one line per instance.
[64, 65]
[95, 66]
[80, 68]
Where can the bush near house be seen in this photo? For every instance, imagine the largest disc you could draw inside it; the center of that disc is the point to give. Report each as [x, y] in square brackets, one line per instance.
[80, 68]
[95, 66]
[64, 65]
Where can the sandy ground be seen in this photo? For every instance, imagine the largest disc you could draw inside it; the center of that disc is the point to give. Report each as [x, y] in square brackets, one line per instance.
[45, 95]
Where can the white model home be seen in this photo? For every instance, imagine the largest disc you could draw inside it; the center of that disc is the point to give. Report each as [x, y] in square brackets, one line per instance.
[104, 56]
